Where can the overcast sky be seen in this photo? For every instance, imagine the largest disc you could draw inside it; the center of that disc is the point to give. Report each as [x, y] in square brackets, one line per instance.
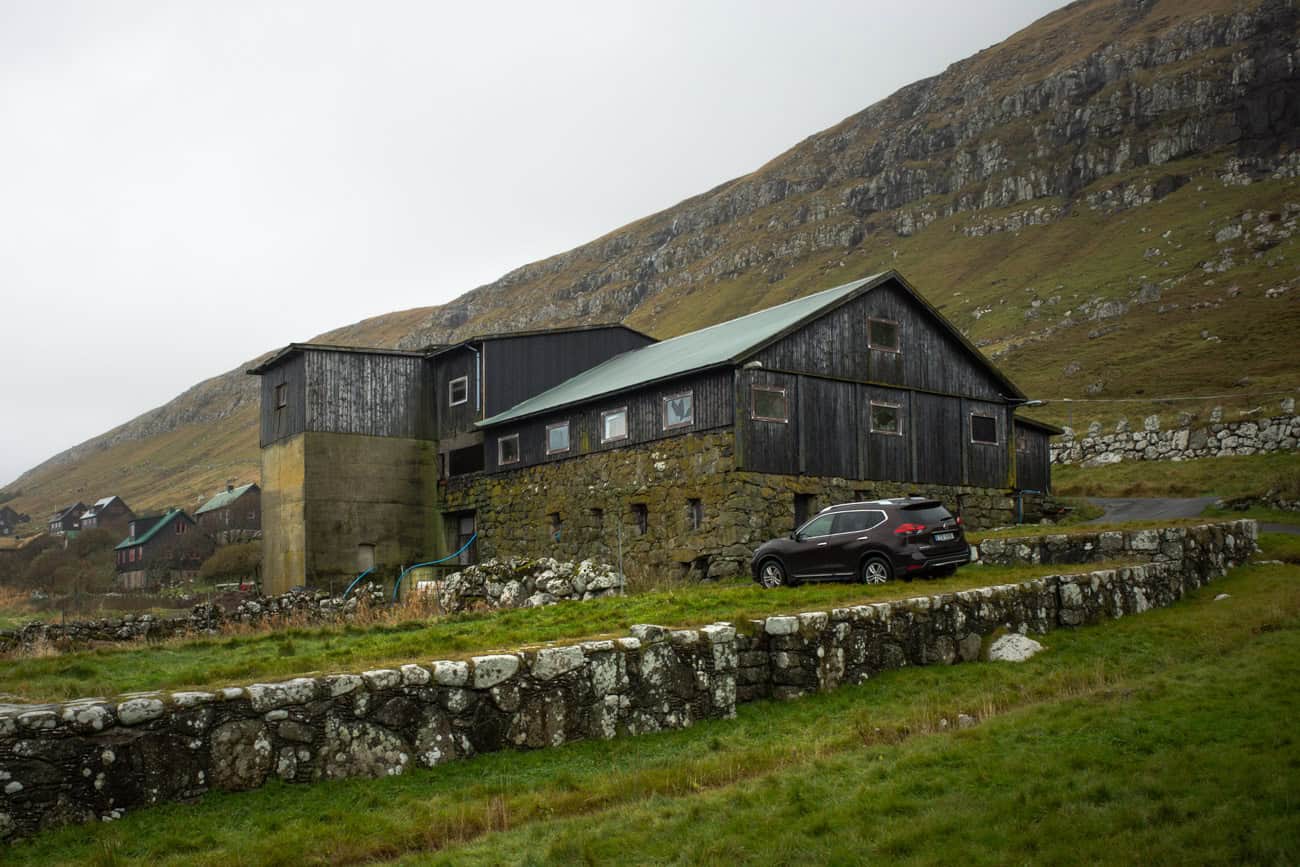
[186, 185]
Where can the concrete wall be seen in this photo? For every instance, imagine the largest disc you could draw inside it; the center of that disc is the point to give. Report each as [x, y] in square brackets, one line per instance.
[594, 497]
[92, 759]
[324, 495]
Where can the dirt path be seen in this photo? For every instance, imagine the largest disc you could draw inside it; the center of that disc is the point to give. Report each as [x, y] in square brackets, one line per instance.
[1120, 509]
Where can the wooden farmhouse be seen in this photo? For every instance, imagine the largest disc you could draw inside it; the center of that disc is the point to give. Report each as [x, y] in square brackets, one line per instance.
[66, 520]
[161, 547]
[9, 521]
[682, 454]
[110, 513]
[233, 515]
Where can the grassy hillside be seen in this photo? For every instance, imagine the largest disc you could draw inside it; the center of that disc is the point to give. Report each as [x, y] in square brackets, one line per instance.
[1106, 202]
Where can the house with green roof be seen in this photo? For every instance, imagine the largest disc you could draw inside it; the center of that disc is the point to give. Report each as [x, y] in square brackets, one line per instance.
[682, 455]
[161, 548]
[233, 515]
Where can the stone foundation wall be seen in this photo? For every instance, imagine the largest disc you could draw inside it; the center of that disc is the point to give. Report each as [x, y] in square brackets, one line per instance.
[1151, 443]
[92, 759]
[1156, 545]
[587, 508]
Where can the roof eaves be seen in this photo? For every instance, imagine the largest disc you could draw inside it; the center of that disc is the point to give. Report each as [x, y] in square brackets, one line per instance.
[152, 531]
[292, 348]
[1041, 425]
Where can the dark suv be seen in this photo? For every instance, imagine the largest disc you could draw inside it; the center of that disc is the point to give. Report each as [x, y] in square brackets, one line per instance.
[870, 542]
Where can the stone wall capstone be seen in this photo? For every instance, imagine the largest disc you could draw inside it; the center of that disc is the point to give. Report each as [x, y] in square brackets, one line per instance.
[92, 759]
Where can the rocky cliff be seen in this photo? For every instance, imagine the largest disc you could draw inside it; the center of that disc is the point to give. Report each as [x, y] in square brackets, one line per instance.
[1013, 175]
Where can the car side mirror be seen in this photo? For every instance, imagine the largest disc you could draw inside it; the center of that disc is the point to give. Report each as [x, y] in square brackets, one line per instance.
[798, 537]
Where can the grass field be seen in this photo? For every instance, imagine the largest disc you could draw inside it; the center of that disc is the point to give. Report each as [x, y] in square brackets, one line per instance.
[1228, 477]
[1168, 738]
[208, 663]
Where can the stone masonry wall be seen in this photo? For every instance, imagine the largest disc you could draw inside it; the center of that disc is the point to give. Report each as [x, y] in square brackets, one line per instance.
[1151, 443]
[92, 759]
[584, 508]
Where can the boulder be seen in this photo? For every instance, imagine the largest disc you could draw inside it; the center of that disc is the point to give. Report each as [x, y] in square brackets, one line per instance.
[1013, 647]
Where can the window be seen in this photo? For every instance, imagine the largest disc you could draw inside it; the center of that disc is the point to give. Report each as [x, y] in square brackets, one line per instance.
[819, 526]
[458, 391]
[983, 429]
[613, 425]
[465, 530]
[856, 522]
[767, 403]
[641, 515]
[508, 450]
[679, 410]
[695, 512]
[557, 438]
[281, 395]
[886, 418]
[598, 517]
[556, 525]
[365, 556]
[1022, 441]
[883, 334]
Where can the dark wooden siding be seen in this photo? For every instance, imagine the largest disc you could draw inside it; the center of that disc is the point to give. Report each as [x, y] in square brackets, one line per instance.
[936, 436]
[885, 457]
[828, 438]
[371, 394]
[986, 465]
[517, 368]
[1033, 459]
[282, 423]
[767, 446]
[931, 359]
[712, 407]
[451, 365]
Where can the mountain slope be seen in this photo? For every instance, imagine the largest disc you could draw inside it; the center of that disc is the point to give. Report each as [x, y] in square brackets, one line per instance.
[1105, 201]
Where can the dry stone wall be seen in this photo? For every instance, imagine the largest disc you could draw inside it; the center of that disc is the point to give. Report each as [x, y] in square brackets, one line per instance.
[635, 505]
[1152, 443]
[93, 759]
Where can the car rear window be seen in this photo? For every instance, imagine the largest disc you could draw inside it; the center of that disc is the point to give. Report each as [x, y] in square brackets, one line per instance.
[928, 516]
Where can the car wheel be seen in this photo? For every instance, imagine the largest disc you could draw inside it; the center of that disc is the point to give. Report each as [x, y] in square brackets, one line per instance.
[771, 574]
[876, 570]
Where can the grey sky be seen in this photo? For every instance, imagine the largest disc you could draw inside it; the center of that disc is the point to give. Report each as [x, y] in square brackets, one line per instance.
[185, 185]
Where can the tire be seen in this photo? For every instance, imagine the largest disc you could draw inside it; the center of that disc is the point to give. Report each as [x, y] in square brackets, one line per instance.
[875, 569]
[771, 574]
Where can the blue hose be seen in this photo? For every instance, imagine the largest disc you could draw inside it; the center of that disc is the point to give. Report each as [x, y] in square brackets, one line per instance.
[398, 585]
[355, 580]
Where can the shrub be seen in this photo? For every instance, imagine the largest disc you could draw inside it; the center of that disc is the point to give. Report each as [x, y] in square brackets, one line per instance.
[239, 562]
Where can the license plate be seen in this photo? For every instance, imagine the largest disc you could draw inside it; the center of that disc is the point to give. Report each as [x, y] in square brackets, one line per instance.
[944, 537]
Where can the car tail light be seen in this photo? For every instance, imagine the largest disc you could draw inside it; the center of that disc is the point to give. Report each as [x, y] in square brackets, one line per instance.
[909, 529]
[959, 521]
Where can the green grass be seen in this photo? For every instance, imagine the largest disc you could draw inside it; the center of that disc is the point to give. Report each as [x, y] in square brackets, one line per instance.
[1165, 738]
[1259, 513]
[208, 663]
[1281, 546]
[1228, 477]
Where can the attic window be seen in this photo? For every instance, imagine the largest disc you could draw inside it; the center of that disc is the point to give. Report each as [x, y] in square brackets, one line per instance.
[882, 334]
[983, 429]
[508, 450]
[613, 425]
[557, 438]
[281, 395]
[767, 403]
[458, 391]
[886, 418]
[679, 410]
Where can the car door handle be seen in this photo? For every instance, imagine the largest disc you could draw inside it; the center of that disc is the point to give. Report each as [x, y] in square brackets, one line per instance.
[822, 544]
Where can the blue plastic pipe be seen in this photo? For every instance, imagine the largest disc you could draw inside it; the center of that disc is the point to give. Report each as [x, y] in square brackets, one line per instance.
[398, 586]
[357, 579]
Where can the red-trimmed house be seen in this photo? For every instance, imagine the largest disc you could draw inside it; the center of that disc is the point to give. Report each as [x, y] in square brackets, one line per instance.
[161, 547]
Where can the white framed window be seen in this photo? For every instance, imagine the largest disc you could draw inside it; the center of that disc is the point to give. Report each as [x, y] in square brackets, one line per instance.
[508, 450]
[768, 403]
[557, 438]
[613, 425]
[983, 429]
[882, 334]
[886, 418]
[679, 410]
[458, 391]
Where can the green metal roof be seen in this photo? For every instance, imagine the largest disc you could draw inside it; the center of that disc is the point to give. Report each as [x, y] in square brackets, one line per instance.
[697, 350]
[153, 531]
[225, 498]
